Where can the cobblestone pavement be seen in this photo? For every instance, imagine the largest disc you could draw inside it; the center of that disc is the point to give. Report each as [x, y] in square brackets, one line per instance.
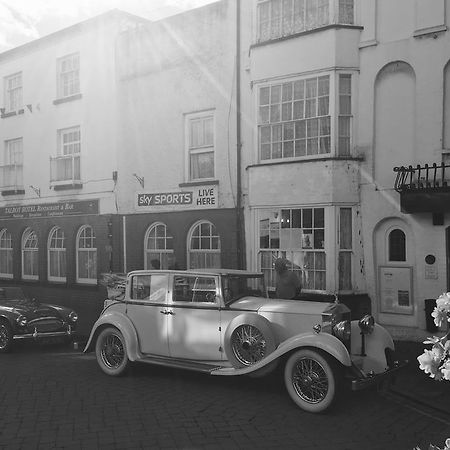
[55, 397]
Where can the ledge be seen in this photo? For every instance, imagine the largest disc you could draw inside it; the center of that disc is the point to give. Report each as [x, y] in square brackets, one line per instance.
[65, 187]
[13, 192]
[305, 161]
[429, 30]
[304, 33]
[199, 183]
[67, 99]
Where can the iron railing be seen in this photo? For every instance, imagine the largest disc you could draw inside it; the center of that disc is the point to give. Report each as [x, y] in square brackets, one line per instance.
[426, 177]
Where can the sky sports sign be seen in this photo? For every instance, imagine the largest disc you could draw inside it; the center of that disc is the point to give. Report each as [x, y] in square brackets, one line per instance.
[199, 198]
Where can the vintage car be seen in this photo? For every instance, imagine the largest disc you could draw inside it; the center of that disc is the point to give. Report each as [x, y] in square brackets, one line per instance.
[25, 318]
[221, 322]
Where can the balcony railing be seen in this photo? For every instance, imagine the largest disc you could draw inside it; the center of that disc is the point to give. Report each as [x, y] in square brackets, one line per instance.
[423, 188]
[65, 169]
[426, 177]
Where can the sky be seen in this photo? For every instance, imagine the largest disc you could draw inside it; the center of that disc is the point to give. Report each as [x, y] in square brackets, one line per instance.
[22, 21]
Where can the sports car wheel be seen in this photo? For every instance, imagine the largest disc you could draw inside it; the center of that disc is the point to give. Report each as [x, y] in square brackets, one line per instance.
[111, 353]
[6, 337]
[248, 339]
[311, 380]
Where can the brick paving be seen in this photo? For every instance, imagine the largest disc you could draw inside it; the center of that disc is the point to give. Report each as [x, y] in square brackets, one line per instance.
[54, 397]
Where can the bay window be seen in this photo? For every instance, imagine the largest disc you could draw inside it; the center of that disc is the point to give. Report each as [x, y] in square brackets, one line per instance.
[304, 236]
[296, 117]
[279, 18]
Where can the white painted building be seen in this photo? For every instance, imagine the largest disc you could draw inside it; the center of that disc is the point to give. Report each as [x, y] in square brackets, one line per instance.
[336, 94]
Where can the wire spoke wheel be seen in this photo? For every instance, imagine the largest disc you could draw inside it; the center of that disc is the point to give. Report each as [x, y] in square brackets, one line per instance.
[111, 352]
[248, 344]
[5, 337]
[310, 380]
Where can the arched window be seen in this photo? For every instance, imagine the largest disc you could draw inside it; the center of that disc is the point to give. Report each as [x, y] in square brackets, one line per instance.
[56, 255]
[30, 250]
[86, 256]
[6, 254]
[158, 246]
[397, 245]
[203, 246]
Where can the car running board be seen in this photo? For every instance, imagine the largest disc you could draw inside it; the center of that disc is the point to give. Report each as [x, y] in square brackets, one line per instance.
[180, 364]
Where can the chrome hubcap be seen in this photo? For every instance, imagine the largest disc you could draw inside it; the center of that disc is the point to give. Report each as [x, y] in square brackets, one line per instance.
[112, 352]
[310, 380]
[248, 344]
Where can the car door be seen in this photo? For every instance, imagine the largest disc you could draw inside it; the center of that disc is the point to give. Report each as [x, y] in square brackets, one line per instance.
[194, 318]
[147, 309]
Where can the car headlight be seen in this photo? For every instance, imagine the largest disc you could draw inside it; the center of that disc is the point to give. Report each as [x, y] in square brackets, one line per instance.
[21, 321]
[73, 316]
[366, 324]
[342, 330]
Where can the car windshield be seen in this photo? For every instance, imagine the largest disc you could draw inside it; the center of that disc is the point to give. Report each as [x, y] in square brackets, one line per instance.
[12, 293]
[237, 286]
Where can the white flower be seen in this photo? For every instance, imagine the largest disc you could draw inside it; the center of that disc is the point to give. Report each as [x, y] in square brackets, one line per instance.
[429, 362]
[445, 370]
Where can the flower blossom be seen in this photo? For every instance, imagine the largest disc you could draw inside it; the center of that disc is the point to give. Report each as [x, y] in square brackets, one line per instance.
[429, 362]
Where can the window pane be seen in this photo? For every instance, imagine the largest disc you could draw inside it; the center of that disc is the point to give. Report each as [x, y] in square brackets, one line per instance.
[397, 245]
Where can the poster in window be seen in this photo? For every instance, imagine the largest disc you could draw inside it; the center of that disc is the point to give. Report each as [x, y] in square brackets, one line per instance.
[395, 290]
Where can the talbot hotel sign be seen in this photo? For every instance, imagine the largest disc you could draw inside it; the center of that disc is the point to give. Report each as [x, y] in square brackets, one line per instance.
[58, 209]
[199, 198]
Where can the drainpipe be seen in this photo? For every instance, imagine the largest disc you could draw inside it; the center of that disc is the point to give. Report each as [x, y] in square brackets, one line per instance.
[240, 238]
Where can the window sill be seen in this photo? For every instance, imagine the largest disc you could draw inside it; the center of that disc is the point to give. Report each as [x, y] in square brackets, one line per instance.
[304, 33]
[304, 161]
[199, 183]
[67, 99]
[7, 192]
[66, 186]
[423, 32]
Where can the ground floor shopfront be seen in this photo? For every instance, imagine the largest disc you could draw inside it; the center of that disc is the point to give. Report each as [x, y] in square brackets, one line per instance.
[57, 251]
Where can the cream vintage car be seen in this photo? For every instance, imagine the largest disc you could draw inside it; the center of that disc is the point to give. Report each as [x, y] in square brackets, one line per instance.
[221, 322]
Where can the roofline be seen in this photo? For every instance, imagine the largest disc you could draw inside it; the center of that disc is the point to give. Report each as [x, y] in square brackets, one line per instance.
[75, 28]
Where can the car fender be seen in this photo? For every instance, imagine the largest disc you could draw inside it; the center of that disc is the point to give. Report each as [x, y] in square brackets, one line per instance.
[9, 318]
[322, 341]
[375, 344]
[124, 325]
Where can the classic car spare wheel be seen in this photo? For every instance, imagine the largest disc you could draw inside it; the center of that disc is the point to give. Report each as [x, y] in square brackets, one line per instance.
[111, 352]
[311, 380]
[6, 336]
[248, 339]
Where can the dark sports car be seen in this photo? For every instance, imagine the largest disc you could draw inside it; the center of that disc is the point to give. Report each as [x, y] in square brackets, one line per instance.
[24, 318]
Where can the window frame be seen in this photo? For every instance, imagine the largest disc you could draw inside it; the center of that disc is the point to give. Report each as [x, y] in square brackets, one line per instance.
[167, 251]
[12, 159]
[60, 251]
[203, 251]
[334, 99]
[75, 70]
[13, 103]
[287, 21]
[388, 245]
[208, 304]
[34, 251]
[202, 116]
[79, 279]
[65, 153]
[9, 254]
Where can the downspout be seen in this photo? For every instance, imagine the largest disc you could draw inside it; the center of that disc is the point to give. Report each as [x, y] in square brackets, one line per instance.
[240, 238]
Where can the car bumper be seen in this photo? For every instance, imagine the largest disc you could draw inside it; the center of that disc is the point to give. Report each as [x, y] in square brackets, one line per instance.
[37, 335]
[373, 379]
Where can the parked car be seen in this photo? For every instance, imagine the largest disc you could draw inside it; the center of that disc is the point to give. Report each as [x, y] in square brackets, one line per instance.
[25, 318]
[222, 322]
